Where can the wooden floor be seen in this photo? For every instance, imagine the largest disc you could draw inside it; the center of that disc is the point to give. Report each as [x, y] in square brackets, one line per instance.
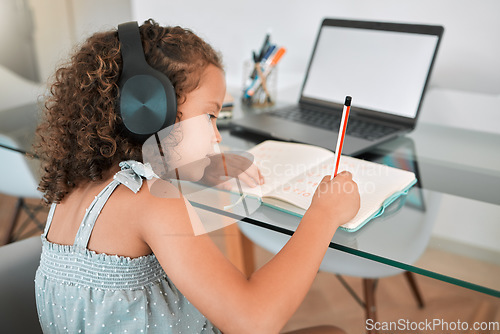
[328, 302]
[24, 227]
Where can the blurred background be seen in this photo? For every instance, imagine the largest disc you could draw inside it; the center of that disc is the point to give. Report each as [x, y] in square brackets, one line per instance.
[36, 35]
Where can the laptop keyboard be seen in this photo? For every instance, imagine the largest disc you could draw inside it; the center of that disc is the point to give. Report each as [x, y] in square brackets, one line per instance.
[329, 121]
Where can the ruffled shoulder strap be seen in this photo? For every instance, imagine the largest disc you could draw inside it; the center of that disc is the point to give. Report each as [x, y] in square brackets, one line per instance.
[131, 175]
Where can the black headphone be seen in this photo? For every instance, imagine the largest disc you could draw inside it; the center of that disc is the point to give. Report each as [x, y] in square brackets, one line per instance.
[147, 101]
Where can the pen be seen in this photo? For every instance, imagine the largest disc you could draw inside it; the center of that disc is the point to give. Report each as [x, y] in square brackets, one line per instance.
[269, 51]
[263, 49]
[340, 139]
[268, 54]
[268, 58]
[261, 62]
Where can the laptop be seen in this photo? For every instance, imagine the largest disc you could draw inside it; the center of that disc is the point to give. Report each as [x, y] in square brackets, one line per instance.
[385, 67]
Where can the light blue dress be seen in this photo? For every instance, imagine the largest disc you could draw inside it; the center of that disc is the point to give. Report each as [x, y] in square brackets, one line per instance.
[80, 291]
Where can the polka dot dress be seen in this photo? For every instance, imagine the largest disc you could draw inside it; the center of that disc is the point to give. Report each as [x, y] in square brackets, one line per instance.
[80, 291]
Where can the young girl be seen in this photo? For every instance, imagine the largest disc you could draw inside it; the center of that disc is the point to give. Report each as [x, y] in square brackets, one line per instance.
[116, 258]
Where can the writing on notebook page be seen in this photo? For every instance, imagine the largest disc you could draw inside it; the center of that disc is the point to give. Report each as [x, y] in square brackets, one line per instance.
[293, 172]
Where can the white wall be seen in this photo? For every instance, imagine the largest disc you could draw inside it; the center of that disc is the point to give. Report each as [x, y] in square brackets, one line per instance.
[16, 39]
[469, 57]
[52, 34]
[62, 24]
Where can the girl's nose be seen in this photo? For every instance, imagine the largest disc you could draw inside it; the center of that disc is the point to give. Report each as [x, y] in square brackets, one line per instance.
[217, 137]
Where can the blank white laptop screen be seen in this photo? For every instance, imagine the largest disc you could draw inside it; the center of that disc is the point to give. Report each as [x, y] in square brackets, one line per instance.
[382, 70]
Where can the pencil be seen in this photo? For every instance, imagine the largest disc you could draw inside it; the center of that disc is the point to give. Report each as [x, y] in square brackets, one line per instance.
[340, 139]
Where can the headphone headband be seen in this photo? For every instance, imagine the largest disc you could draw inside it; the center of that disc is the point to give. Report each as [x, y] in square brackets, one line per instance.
[147, 102]
[131, 46]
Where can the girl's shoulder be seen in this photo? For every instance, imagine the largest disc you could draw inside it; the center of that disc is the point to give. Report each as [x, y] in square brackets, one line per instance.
[149, 192]
[156, 191]
[162, 203]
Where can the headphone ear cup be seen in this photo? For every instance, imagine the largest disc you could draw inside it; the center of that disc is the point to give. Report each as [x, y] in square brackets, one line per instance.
[142, 104]
[171, 100]
[147, 102]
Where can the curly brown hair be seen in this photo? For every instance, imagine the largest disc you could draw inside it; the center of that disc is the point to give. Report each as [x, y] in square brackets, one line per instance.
[80, 136]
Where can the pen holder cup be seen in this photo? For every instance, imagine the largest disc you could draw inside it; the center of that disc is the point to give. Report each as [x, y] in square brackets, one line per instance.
[260, 86]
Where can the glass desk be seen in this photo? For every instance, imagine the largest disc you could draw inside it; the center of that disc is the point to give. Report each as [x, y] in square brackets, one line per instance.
[451, 214]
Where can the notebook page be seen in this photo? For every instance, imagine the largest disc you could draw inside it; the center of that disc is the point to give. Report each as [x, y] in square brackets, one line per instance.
[299, 190]
[280, 162]
[376, 183]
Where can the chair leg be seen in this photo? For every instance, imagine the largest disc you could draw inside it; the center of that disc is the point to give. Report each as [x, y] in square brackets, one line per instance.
[414, 288]
[10, 227]
[31, 211]
[239, 249]
[369, 292]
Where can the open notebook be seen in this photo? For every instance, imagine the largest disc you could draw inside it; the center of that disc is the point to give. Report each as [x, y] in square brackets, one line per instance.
[293, 171]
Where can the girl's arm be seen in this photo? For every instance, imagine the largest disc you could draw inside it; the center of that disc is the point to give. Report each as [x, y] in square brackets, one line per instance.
[266, 301]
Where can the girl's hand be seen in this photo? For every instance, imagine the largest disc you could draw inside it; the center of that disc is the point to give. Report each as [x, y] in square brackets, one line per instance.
[337, 199]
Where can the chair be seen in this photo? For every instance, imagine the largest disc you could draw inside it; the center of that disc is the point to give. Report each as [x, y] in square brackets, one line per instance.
[18, 180]
[18, 264]
[16, 90]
